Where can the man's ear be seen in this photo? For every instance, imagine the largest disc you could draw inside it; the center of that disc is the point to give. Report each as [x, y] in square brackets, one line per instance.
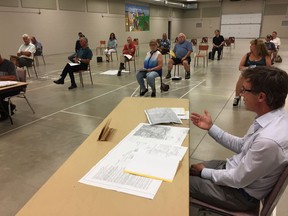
[261, 97]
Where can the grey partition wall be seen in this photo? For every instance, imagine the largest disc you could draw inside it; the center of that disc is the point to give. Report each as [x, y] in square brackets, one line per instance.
[10, 3]
[72, 5]
[47, 4]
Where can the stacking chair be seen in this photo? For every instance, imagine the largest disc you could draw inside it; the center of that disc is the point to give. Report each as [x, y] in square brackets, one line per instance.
[268, 204]
[101, 47]
[194, 41]
[15, 60]
[227, 43]
[194, 44]
[202, 53]
[116, 53]
[232, 41]
[30, 66]
[81, 77]
[36, 57]
[21, 73]
[136, 43]
[176, 75]
[132, 59]
[147, 86]
[204, 40]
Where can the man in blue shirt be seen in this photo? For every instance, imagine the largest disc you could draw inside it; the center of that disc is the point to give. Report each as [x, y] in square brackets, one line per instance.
[240, 182]
[82, 60]
[182, 50]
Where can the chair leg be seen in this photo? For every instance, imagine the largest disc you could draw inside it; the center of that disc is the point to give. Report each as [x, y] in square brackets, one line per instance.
[134, 65]
[91, 77]
[35, 70]
[36, 60]
[161, 84]
[9, 106]
[81, 78]
[43, 59]
[29, 104]
[28, 71]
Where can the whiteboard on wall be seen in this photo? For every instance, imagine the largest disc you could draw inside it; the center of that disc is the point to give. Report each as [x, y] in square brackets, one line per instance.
[241, 31]
[241, 25]
[241, 19]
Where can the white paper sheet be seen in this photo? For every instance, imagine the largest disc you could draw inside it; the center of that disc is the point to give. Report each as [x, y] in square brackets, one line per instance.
[162, 116]
[128, 56]
[160, 162]
[109, 172]
[7, 83]
[73, 64]
[113, 72]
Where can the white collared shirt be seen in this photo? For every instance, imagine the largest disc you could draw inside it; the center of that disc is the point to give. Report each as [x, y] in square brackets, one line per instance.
[261, 155]
[30, 47]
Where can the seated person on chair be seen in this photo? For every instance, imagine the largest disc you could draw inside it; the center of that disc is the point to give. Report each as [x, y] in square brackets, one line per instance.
[25, 53]
[111, 46]
[152, 68]
[258, 56]
[7, 72]
[241, 181]
[182, 50]
[38, 46]
[83, 57]
[276, 40]
[218, 43]
[271, 48]
[164, 46]
[77, 47]
[128, 52]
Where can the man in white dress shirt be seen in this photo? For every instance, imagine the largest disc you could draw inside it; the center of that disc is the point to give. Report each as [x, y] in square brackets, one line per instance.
[240, 182]
[276, 40]
[25, 53]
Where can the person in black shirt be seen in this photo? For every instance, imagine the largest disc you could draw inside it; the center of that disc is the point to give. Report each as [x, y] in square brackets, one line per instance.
[77, 47]
[218, 42]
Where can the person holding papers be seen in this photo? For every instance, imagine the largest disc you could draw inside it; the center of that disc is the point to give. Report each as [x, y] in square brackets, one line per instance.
[7, 73]
[128, 53]
[241, 181]
[152, 68]
[81, 62]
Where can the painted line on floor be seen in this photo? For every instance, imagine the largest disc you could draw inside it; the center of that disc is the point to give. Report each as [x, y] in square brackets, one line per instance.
[44, 117]
[193, 88]
[80, 114]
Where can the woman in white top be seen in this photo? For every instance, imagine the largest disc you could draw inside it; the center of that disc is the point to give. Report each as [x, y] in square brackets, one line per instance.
[111, 46]
[153, 63]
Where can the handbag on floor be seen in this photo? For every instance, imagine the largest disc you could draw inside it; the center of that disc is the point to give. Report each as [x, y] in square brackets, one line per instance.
[99, 59]
[278, 59]
[164, 87]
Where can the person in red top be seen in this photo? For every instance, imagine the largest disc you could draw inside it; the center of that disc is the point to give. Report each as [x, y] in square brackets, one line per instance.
[128, 53]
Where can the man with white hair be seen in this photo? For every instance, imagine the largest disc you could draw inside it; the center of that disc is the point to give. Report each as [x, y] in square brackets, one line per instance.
[25, 53]
[182, 50]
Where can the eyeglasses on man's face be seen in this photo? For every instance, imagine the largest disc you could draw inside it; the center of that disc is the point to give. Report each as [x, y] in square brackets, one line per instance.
[244, 90]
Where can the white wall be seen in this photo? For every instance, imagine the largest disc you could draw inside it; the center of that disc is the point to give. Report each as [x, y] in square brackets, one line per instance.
[207, 29]
[57, 30]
